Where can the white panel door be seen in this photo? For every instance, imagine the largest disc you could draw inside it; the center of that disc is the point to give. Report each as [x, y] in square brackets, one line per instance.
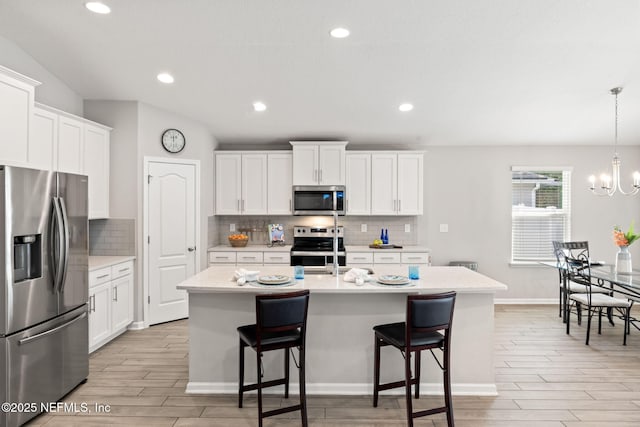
[331, 167]
[228, 184]
[16, 103]
[410, 184]
[305, 165]
[96, 167]
[358, 184]
[121, 302]
[254, 184]
[384, 197]
[279, 183]
[172, 239]
[43, 139]
[69, 155]
[99, 313]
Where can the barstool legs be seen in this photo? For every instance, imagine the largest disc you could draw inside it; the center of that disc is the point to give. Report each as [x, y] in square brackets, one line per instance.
[303, 388]
[241, 374]
[286, 373]
[376, 371]
[407, 386]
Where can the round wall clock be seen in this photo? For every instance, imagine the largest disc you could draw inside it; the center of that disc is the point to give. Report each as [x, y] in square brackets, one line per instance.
[173, 140]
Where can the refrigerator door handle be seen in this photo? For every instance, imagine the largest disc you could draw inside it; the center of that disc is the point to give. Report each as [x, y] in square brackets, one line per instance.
[56, 228]
[51, 331]
[65, 232]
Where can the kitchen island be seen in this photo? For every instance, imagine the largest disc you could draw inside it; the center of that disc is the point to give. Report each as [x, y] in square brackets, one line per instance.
[339, 330]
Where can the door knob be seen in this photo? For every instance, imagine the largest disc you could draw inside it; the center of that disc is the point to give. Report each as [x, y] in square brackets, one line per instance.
[191, 249]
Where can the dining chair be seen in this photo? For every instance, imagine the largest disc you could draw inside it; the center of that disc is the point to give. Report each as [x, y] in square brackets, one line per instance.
[427, 327]
[576, 255]
[281, 323]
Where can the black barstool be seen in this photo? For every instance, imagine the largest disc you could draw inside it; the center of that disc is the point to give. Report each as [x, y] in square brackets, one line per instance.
[427, 315]
[281, 323]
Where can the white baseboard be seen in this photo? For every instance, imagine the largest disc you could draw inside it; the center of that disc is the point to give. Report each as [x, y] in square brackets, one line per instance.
[529, 301]
[345, 389]
[136, 326]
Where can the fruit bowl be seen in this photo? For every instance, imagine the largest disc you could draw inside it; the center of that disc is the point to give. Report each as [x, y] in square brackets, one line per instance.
[238, 240]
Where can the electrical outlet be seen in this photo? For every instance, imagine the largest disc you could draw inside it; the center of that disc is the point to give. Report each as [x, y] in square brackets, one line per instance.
[232, 227]
[407, 228]
[444, 228]
[363, 228]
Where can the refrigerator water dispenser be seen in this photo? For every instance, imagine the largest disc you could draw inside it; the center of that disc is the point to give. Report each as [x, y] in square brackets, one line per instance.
[27, 258]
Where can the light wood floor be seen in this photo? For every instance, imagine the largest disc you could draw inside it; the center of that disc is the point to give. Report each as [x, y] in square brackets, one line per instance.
[545, 378]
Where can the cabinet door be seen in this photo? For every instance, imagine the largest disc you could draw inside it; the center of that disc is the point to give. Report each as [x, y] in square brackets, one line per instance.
[16, 109]
[305, 165]
[121, 302]
[384, 169]
[43, 139]
[254, 184]
[228, 184]
[70, 136]
[331, 165]
[279, 183]
[410, 184]
[358, 186]
[96, 167]
[99, 314]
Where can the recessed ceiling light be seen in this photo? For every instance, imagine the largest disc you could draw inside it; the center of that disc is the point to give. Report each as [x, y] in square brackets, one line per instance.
[259, 106]
[405, 107]
[339, 33]
[165, 78]
[97, 7]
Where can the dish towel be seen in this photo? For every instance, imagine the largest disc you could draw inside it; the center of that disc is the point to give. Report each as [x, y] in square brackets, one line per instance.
[357, 275]
[243, 276]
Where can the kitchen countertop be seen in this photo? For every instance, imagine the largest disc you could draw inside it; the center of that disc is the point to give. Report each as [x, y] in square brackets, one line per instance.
[250, 248]
[218, 279]
[406, 248]
[97, 262]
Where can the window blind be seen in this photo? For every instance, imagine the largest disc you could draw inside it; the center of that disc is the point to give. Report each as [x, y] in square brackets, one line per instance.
[540, 211]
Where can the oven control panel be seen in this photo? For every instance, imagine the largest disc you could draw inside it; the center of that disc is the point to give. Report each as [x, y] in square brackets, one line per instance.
[314, 231]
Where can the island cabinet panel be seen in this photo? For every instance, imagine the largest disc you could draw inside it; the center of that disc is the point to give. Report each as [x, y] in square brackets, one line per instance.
[16, 112]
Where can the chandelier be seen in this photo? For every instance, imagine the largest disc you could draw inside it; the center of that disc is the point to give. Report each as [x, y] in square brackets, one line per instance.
[610, 184]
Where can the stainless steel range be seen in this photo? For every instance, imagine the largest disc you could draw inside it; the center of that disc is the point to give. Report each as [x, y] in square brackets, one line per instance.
[313, 246]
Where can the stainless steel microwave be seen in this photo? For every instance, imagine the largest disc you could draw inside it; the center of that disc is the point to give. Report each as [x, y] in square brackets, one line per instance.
[319, 200]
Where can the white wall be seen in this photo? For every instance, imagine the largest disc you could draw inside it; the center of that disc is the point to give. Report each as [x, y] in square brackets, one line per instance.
[52, 91]
[469, 188]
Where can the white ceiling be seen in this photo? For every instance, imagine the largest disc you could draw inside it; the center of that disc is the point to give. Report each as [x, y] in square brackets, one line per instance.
[478, 71]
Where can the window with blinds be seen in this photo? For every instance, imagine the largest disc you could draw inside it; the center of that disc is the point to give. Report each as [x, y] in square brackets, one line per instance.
[540, 211]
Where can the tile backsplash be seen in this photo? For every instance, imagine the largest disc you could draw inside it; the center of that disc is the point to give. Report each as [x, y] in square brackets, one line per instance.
[256, 228]
[114, 236]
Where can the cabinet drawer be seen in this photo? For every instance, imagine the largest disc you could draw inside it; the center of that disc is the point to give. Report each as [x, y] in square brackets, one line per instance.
[386, 258]
[359, 258]
[416, 258]
[277, 258]
[97, 277]
[249, 257]
[122, 269]
[222, 257]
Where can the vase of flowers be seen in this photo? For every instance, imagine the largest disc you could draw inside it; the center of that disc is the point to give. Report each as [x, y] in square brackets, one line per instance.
[623, 241]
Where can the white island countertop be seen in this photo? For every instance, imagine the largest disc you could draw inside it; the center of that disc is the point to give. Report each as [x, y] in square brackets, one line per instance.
[218, 279]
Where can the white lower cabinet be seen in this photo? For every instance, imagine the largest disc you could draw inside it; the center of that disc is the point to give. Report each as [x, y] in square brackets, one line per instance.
[110, 303]
[368, 259]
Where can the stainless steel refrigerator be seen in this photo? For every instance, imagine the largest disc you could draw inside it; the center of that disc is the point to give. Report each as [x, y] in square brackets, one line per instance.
[44, 338]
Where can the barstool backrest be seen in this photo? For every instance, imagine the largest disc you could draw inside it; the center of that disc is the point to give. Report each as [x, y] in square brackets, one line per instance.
[281, 312]
[426, 313]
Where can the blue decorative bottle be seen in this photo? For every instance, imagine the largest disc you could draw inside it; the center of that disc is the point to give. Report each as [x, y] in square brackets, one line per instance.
[385, 239]
[382, 234]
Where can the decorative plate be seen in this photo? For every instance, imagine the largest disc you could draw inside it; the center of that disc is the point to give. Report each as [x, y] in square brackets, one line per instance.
[393, 280]
[275, 279]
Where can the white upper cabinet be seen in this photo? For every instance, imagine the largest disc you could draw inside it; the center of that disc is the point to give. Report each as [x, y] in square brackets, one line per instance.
[43, 139]
[279, 183]
[228, 183]
[410, 184]
[70, 144]
[241, 183]
[254, 184]
[96, 167]
[319, 163]
[16, 112]
[358, 183]
[396, 183]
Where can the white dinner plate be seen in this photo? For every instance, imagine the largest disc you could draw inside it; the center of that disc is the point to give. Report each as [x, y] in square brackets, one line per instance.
[275, 279]
[393, 280]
